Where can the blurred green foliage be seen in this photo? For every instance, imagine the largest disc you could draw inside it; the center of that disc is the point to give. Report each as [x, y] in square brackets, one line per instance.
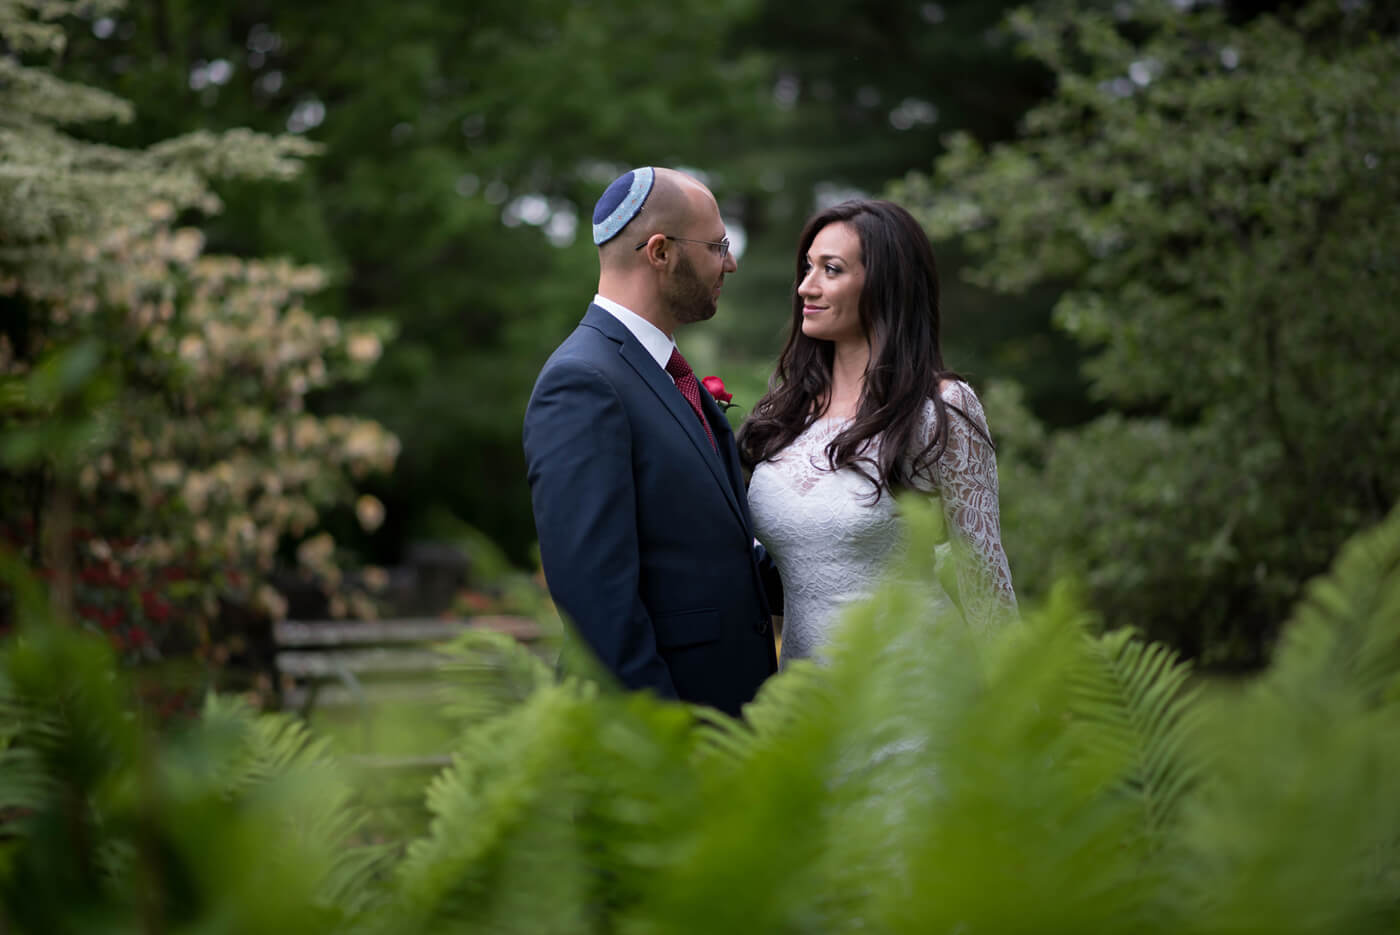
[460, 146]
[1215, 201]
[1196, 193]
[463, 149]
[1036, 778]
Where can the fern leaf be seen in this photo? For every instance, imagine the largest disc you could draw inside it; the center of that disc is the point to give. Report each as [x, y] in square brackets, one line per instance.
[1299, 828]
[569, 787]
[782, 702]
[1346, 629]
[488, 673]
[1141, 705]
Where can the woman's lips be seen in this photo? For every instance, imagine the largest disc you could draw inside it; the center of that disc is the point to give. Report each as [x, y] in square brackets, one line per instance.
[811, 309]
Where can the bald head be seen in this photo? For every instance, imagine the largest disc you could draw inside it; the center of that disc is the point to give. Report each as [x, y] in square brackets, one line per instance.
[676, 202]
[667, 262]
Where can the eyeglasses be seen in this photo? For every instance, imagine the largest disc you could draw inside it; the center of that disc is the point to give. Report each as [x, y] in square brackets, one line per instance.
[719, 248]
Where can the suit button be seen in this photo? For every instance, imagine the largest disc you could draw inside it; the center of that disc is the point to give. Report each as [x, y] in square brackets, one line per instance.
[762, 626]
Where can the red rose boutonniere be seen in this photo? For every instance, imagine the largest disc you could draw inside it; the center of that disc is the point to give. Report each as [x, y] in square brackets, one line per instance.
[716, 387]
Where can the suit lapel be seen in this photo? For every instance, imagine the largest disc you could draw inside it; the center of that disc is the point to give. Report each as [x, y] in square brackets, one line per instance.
[661, 385]
[728, 451]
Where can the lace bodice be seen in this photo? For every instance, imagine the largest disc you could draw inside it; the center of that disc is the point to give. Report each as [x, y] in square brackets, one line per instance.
[831, 545]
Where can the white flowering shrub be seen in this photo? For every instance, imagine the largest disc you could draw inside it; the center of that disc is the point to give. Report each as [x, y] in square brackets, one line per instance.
[156, 448]
[196, 455]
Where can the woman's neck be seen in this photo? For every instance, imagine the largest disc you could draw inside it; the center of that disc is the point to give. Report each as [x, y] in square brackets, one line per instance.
[847, 378]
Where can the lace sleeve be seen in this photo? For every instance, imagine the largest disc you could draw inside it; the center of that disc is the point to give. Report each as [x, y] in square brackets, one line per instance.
[966, 482]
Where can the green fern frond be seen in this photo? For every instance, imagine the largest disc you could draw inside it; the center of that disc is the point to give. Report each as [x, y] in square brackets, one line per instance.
[806, 807]
[1298, 829]
[24, 783]
[781, 703]
[1021, 809]
[67, 707]
[1346, 629]
[249, 748]
[491, 789]
[1140, 707]
[567, 787]
[118, 816]
[273, 764]
[487, 674]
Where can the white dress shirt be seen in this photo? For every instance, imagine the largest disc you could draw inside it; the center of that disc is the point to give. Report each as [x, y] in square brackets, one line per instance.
[657, 343]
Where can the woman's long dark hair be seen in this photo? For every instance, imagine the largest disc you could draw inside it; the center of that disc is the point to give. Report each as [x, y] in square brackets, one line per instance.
[899, 313]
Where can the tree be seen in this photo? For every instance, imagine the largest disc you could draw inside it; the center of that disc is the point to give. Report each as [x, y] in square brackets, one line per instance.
[1214, 197]
[865, 93]
[156, 444]
[463, 149]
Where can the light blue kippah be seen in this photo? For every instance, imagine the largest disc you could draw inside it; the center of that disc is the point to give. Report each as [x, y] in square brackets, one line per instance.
[621, 202]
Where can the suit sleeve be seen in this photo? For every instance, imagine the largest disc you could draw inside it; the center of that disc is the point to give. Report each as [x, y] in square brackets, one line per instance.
[578, 452]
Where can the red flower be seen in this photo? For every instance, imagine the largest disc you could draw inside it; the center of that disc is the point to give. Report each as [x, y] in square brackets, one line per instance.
[155, 608]
[716, 387]
[95, 575]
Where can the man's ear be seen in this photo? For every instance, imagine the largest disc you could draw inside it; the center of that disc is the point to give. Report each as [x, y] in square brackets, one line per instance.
[657, 250]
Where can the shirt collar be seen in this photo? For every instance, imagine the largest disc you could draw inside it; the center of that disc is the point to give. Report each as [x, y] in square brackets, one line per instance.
[656, 342]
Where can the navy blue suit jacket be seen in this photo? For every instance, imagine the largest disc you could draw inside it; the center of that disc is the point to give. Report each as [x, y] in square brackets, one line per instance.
[644, 529]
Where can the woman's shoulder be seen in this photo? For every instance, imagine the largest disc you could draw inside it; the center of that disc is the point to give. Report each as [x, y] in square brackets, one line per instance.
[956, 391]
[958, 394]
[963, 410]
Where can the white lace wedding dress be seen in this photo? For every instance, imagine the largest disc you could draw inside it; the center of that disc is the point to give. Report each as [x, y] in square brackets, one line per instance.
[831, 545]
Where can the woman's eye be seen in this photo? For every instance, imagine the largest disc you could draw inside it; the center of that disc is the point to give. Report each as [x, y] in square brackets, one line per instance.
[832, 270]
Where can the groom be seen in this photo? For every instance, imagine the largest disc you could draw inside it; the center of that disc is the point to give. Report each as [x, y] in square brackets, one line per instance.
[639, 502]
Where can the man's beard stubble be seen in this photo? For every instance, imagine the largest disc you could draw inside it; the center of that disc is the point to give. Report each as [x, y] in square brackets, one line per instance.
[690, 300]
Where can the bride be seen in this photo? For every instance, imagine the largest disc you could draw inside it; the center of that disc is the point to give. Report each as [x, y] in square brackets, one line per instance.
[861, 407]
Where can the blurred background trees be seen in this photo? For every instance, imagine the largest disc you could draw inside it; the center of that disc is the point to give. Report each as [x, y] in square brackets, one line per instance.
[463, 149]
[1180, 304]
[1214, 200]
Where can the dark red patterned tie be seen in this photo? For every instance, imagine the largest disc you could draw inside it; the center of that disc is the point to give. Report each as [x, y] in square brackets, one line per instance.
[690, 389]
